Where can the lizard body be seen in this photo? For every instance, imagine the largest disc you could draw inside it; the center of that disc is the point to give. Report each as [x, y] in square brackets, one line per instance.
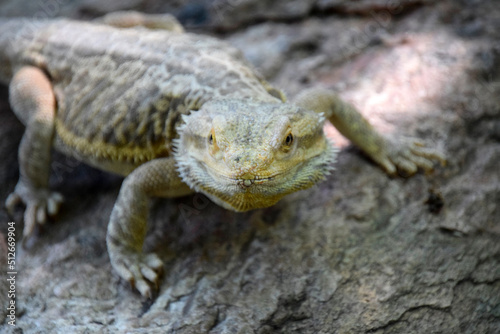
[174, 113]
[120, 93]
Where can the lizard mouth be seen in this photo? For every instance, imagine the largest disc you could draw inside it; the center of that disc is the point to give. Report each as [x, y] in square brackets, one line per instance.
[246, 183]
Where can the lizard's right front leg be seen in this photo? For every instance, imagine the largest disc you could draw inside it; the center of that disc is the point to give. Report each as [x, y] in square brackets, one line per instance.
[33, 102]
[128, 223]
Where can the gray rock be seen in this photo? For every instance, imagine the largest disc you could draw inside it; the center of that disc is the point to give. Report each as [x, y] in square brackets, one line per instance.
[361, 252]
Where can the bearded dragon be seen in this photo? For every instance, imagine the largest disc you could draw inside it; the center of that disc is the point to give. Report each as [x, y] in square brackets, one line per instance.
[174, 113]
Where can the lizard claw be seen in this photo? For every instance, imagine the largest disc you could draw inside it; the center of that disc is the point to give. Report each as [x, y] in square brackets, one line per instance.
[142, 271]
[40, 204]
[11, 202]
[408, 157]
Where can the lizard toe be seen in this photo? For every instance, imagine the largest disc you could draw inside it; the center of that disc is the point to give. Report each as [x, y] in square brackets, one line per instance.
[422, 162]
[30, 216]
[407, 166]
[428, 154]
[11, 202]
[144, 288]
[54, 203]
[149, 274]
[153, 261]
[41, 215]
[386, 164]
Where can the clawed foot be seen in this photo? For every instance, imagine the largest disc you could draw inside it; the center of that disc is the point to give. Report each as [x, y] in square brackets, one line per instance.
[40, 204]
[407, 157]
[142, 271]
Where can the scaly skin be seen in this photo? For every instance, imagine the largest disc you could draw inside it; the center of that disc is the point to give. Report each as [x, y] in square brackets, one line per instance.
[174, 113]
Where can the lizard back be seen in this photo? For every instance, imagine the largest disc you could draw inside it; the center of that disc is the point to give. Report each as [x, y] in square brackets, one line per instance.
[121, 92]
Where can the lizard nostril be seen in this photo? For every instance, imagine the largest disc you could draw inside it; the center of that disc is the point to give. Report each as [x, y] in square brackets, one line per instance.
[237, 159]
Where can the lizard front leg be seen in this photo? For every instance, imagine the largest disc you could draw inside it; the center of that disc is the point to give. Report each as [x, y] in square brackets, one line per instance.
[391, 155]
[33, 101]
[128, 223]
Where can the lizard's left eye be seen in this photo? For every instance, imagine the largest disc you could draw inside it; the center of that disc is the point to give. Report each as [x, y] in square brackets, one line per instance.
[211, 137]
[212, 142]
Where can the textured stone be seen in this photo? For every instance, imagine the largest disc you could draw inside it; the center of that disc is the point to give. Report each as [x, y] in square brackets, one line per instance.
[359, 253]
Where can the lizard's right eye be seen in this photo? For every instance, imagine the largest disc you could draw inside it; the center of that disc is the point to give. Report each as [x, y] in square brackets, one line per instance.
[287, 142]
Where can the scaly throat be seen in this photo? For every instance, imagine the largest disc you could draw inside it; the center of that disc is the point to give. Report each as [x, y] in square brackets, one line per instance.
[242, 201]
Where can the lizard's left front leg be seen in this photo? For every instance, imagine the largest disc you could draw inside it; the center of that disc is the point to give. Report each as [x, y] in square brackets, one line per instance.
[391, 155]
[128, 223]
[34, 103]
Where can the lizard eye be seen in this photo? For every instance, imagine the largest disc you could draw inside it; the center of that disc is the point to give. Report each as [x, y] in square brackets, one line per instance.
[211, 137]
[287, 142]
[213, 148]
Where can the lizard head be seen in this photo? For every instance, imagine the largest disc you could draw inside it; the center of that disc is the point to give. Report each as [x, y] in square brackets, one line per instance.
[246, 155]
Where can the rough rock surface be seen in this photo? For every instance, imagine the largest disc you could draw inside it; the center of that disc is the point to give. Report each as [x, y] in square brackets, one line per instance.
[359, 253]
